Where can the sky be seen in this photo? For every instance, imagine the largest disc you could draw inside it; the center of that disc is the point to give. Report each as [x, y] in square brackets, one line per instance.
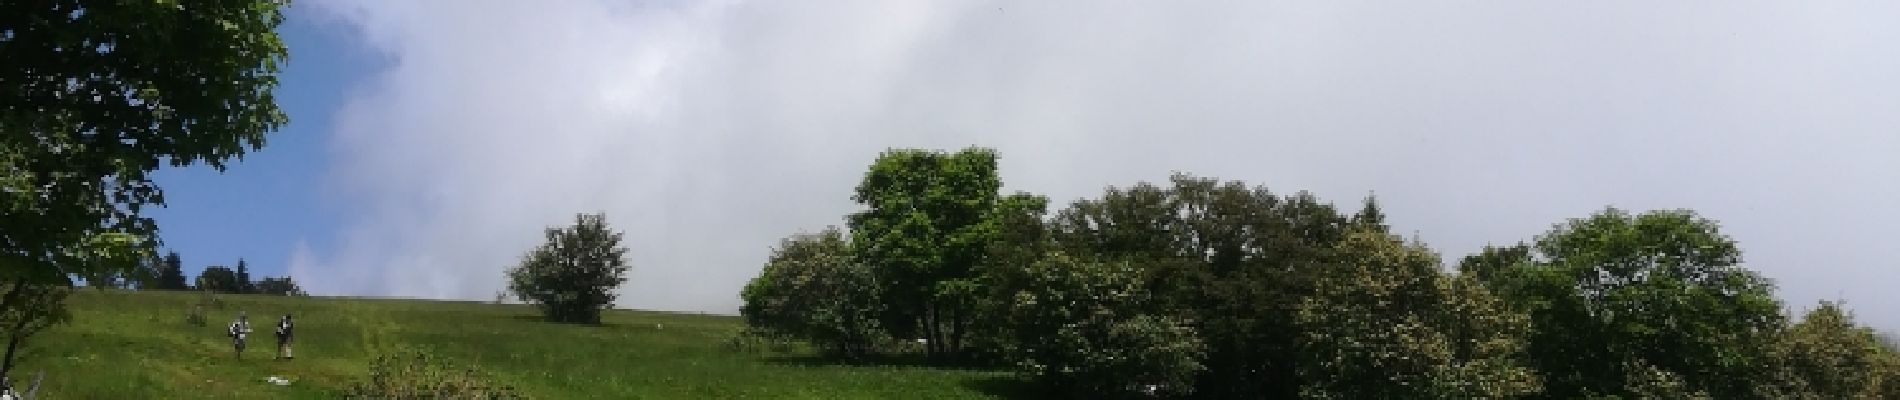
[431, 142]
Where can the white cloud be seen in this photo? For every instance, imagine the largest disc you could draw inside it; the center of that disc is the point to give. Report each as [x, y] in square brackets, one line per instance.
[708, 130]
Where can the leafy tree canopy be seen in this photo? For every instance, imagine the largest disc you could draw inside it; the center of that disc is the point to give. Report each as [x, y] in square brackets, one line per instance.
[573, 275]
[95, 95]
[925, 228]
[1661, 290]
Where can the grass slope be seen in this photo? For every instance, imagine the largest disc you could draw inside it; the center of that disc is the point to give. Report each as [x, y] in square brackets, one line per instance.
[136, 345]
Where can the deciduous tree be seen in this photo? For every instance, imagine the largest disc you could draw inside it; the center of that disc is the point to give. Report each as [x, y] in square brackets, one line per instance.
[923, 231]
[572, 276]
[1829, 356]
[218, 278]
[94, 97]
[1234, 260]
[1387, 322]
[1664, 290]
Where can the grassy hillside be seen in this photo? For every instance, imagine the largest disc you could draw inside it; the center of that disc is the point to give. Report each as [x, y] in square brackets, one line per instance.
[124, 345]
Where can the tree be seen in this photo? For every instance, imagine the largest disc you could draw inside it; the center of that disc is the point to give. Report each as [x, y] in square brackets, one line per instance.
[1370, 217]
[1234, 260]
[1386, 322]
[1829, 356]
[145, 276]
[171, 273]
[1498, 267]
[218, 278]
[924, 230]
[810, 288]
[1662, 290]
[94, 97]
[572, 277]
[35, 301]
[36, 307]
[279, 287]
[1091, 329]
[108, 279]
[244, 284]
[1022, 241]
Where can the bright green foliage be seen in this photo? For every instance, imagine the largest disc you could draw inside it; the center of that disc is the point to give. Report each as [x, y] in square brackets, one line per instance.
[573, 276]
[1089, 329]
[1235, 260]
[95, 95]
[1387, 323]
[812, 289]
[924, 231]
[1661, 289]
[1828, 356]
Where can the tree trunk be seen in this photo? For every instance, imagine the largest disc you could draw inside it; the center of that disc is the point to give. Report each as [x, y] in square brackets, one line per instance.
[13, 335]
[7, 303]
[933, 336]
[13, 344]
[956, 331]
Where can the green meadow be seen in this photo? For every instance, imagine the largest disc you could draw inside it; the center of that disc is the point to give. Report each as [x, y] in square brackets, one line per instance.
[138, 345]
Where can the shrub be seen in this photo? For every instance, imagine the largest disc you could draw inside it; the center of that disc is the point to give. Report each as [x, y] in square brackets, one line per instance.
[417, 375]
[283, 286]
[752, 340]
[811, 289]
[196, 314]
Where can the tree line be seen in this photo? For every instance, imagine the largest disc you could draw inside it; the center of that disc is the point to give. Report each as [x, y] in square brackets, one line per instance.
[1203, 288]
[167, 273]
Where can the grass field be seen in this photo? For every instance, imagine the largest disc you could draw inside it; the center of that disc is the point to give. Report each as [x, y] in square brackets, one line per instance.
[137, 345]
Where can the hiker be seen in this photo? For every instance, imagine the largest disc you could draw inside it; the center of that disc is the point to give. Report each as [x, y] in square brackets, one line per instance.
[283, 337]
[238, 330]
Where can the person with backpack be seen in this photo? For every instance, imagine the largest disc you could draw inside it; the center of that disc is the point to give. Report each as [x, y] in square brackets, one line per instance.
[283, 337]
[239, 330]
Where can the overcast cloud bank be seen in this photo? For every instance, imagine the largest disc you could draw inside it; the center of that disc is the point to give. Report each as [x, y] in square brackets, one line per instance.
[709, 130]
